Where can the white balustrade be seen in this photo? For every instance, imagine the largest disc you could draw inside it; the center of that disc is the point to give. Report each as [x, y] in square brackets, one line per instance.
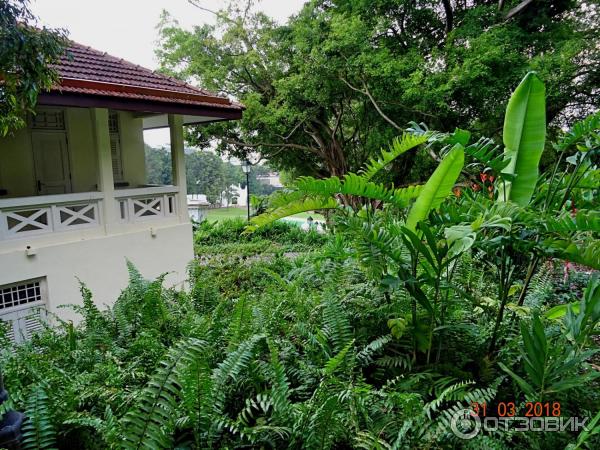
[27, 216]
[142, 204]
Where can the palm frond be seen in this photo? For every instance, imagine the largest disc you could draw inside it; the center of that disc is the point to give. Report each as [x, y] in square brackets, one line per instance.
[399, 146]
[295, 207]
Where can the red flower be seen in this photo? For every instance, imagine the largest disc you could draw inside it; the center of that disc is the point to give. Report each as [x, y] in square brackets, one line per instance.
[492, 178]
[457, 191]
[483, 177]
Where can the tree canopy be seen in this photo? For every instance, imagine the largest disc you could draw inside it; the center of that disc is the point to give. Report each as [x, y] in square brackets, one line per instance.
[339, 80]
[26, 55]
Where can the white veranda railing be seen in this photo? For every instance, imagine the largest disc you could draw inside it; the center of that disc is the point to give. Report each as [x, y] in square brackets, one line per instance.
[136, 205]
[23, 217]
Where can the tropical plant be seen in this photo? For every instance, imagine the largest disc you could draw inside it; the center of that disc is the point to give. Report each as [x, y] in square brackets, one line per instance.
[26, 56]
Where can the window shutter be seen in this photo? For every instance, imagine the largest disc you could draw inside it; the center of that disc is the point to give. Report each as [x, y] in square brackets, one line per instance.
[22, 307]
[115, 151]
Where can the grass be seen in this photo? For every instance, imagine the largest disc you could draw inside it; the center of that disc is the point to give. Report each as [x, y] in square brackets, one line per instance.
[214, 214]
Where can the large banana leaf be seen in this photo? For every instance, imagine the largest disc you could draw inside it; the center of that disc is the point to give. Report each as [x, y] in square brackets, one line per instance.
[524, 136]
[437, 187]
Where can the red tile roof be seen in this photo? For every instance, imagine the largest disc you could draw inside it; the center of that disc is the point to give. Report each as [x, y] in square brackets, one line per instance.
[88, 72]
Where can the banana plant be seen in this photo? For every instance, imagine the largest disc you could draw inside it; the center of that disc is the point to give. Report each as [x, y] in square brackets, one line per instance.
[524, 136]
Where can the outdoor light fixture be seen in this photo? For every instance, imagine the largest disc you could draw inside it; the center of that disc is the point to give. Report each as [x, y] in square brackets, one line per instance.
[246, 165]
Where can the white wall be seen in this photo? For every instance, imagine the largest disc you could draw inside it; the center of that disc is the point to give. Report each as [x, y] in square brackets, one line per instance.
[101, 264]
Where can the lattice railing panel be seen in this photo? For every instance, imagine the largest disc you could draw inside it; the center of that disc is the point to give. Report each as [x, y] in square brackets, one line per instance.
[136, 209]
[27, 221]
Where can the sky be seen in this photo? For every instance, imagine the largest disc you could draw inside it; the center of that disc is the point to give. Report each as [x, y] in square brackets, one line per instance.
[127, 28]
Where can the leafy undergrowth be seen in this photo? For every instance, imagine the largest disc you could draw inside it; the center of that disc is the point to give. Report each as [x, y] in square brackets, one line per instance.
[280, 353]
[227, 239]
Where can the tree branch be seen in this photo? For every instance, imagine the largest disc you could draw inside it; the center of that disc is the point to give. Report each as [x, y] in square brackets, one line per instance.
[368, 94]
[517, 9]
[267, 144]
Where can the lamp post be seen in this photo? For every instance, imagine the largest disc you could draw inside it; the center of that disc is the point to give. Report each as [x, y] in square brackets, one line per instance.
[246, 165]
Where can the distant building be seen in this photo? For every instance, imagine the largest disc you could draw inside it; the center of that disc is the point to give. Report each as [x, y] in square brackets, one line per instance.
[271, 179]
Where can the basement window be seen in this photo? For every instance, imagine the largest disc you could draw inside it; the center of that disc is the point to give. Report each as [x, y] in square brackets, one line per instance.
[23, 307]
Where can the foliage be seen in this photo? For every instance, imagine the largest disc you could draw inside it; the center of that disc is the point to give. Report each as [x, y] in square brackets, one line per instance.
[329, 88]
[419, 302]
[26, 57]
[227, 238]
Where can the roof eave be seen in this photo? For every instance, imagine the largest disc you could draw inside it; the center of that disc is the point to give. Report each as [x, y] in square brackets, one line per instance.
[220, 112]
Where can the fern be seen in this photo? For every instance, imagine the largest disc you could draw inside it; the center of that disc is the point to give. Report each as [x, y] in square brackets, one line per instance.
[38, 430]
[148, 424]
[230, 369]
[336, 325]
[365, 356]
[336, 361]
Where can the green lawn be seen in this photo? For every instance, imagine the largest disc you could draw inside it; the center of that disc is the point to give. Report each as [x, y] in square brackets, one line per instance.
[232, 212]
[215, 214]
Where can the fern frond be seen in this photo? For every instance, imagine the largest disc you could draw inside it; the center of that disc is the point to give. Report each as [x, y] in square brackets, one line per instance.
[445, 395]
[365, 356]
[336, 325]
[230, 369]
[149, 423]
[38, 429]
[399, 146]
[334, 362]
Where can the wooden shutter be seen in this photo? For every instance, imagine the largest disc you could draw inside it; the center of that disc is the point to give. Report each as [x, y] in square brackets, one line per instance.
[115, 151]
[22, 306]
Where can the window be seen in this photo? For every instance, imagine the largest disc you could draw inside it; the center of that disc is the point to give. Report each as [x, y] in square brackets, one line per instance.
[48, 119]
[115, 145]
[22, 306]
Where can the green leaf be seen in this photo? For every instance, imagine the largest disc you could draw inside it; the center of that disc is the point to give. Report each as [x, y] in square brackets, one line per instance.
[334, 362]
[295, 207]
[400, 145]
[527, 388]
[524, 136]
[438, 187]
[559, 311]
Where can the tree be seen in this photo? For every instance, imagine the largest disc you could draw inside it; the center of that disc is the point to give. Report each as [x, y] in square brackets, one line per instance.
[336, 83]
[206, 172]
[26, 57]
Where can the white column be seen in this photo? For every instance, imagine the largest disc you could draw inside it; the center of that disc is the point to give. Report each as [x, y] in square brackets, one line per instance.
[178, 160]
[105, 170]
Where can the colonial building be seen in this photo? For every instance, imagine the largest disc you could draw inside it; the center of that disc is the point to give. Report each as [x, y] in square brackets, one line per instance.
[74, 201]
